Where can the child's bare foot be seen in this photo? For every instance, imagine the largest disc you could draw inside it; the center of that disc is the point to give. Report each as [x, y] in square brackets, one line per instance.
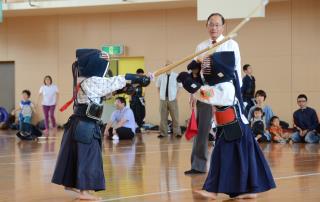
[85, 195]
[209, 195]
[247, 196]
[72, 189]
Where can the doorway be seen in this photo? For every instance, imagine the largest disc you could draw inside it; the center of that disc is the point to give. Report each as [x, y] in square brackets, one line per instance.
[7, 87]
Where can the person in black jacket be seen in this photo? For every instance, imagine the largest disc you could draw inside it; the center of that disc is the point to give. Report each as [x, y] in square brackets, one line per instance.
[137, 103]
[248, 88]
[306, 122]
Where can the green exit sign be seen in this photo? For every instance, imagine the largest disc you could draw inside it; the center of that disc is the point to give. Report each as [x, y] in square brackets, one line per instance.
[113, 49]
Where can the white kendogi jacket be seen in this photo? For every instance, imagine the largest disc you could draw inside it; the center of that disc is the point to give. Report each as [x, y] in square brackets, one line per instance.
[97, 87]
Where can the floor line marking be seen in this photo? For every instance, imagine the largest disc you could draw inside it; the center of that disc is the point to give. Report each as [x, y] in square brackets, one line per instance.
[188, 189]
[35, 153]
[118, 154]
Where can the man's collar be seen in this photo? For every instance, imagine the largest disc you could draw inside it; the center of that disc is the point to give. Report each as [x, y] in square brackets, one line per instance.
[122, 108]
[220, 38]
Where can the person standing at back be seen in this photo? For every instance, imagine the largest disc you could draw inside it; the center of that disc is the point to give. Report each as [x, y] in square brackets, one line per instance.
[248, 88]
[137, 103]
[168, 89]
[49, 93]
[215, 28]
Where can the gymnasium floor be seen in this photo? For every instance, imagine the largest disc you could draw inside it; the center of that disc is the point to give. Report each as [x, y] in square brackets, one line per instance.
[147, 169]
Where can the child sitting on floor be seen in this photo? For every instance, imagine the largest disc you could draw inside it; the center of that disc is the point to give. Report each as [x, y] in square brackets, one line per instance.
[258, 125]
[277, 133]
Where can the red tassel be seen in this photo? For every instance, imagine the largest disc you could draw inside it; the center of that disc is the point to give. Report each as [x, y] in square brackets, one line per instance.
[192, 129]
[67, 104]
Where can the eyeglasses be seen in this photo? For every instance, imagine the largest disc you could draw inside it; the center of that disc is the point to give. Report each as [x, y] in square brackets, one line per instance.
[302, 101]
[214, 25]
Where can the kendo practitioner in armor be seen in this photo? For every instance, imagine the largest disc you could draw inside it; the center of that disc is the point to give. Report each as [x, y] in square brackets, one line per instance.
[238, 167]
[137, 102]
[79, 166]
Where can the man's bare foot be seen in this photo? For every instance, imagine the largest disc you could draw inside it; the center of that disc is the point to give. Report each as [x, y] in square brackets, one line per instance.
[247, 196]
[85, 195]
[72, 189]
[209, 195]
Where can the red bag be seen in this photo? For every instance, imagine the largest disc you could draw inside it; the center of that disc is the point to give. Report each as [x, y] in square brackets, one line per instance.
[192, 129]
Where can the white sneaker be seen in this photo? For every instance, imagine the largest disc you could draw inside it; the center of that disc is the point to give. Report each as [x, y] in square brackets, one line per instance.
[115, 137]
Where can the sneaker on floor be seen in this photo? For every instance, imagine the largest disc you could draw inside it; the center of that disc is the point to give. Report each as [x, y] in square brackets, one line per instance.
[115, 137]
[161, 136]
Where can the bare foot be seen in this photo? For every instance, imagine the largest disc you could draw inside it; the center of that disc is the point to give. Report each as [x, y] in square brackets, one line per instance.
[85, 195]
[209, 195]
[72, 189]
[247, 196]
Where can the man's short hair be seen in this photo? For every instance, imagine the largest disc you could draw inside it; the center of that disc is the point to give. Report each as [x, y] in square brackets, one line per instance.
[261, 93]
[245, 67]
[139, 71]
[302, 96]
[26, 92]
[216, 14]
[122, 100]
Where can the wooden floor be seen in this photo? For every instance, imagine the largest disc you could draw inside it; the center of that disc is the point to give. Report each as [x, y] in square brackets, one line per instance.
[147, 169]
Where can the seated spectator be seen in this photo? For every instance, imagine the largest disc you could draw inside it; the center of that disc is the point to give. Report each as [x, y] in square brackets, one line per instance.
[122, 124]
[258, 126]
[4, 116]
[13, 121]
[260, 98]
[306, 122]
[278, 135]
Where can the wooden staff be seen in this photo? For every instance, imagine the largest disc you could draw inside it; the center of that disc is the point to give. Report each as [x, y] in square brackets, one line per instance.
[210, 50]
[173, 65]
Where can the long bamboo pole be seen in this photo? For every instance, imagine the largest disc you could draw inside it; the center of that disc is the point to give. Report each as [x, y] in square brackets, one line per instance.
[214, 47]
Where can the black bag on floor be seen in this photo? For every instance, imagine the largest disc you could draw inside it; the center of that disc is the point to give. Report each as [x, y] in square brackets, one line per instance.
[35, 133]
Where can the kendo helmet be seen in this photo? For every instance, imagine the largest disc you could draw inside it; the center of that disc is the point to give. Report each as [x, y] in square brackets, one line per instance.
[90, 63]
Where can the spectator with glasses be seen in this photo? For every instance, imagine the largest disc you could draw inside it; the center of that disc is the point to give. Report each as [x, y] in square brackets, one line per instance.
[306, 122]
